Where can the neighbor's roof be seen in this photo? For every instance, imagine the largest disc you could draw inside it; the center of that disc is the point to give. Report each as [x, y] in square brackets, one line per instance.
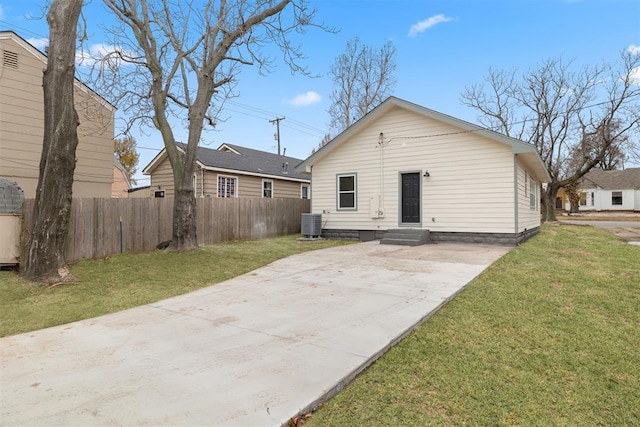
[11, 35]
[230, 158]
[624, 179]
[526, 152]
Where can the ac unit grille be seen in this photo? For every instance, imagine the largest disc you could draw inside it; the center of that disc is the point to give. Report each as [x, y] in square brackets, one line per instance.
[311, 224]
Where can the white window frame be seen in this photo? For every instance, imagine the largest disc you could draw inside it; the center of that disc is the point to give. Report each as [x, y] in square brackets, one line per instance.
[613, 194]
[583, 199]
[302, 188]
[264, 189]
[340, 192]
[234, 191]
[533, 193]
[195, 185]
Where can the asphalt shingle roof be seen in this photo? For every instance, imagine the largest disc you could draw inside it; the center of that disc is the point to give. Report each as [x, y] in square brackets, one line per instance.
[624, 179]
[250, 160]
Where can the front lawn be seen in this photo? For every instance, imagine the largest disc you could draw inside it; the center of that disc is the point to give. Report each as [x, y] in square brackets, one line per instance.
[129, 280]
[549, 335]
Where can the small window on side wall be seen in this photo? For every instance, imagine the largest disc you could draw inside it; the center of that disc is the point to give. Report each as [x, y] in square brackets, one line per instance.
[304, 191]
[346, 191]
[267, 188]
[533, 194]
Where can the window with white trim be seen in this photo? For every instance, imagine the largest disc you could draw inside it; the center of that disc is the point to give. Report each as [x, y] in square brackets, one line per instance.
[267, 188]
[304, 191]
[616, 198]
[227, 186]
[195, 185]
[346, 191]
[583, 199]
[533, 194]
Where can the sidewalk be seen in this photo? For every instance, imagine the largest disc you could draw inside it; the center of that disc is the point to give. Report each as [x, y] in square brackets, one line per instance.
[254, 350]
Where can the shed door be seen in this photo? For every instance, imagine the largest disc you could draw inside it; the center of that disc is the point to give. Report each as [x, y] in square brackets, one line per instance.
[410, 197]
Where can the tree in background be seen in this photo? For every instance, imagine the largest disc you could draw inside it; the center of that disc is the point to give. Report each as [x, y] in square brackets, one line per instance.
[362, 77]
[325, 140]
[181, 59]
[45, 252]
[573, 118]
[614, 155]
[125, 151]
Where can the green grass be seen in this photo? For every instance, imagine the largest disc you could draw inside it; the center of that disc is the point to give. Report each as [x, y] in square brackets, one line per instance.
[547, 336]
[130, 280]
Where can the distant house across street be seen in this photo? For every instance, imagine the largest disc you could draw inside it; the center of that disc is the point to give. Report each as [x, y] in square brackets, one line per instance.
[610, 190]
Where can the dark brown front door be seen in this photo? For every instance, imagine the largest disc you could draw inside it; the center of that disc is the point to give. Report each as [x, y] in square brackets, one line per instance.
[410, 198]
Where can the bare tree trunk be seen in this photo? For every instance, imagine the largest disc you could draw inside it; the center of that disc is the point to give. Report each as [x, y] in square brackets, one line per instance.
[52, 210]
[548, 204]
[184, 211]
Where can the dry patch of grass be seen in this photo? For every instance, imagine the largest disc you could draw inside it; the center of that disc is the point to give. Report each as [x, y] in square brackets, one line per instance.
[129, 280]
[545, 336]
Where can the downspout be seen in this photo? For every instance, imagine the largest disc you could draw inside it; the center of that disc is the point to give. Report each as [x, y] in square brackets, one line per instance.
[515, 196]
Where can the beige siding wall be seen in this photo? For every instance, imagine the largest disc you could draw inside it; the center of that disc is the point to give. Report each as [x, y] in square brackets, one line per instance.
[21, 129]
[528, 218]
[470, 188]
[162, 178]
[246, 185]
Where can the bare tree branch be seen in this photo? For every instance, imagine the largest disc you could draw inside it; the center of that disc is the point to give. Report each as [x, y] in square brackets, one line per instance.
[576, 119]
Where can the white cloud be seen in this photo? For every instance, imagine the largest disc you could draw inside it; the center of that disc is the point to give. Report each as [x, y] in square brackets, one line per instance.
[634, 49]
[428, 23]
[305, 99]
[39, 43]
[97, 52]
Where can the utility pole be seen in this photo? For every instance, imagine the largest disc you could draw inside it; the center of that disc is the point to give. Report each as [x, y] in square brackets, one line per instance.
[277, 121]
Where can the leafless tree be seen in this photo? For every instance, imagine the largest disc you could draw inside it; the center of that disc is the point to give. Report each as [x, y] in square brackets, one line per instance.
[177, 61]
[363, 77]
[47, 240]
[563, 113]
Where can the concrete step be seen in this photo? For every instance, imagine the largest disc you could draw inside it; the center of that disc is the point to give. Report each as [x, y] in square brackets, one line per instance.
[406, 237]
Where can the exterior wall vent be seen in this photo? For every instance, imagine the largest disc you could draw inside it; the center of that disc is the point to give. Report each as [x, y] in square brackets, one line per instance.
[9, 59]
[311, 225]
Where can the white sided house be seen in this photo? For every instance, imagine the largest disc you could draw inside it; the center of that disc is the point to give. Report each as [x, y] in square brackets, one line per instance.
[612, 190]
[404, 169]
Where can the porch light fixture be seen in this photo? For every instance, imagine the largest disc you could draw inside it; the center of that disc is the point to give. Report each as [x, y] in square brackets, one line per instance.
[426, 174]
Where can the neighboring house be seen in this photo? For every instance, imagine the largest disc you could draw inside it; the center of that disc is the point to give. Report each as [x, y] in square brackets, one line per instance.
[22, 123]
[612, 190]
[121, 183]
[234, 171]
[403, 166]
[140, 192]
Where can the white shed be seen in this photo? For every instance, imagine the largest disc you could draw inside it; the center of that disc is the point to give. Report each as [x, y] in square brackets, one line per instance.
[406, 167]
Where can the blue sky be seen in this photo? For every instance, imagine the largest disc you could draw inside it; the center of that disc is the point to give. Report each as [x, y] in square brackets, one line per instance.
[443, 47]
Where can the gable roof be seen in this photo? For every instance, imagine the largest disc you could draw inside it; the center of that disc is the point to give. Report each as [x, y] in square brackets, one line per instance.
[230, 158]
[31, 49]
[526, 152]
[624, 179]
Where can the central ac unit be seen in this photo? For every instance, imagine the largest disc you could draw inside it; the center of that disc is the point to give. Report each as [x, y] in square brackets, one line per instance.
[311, 224]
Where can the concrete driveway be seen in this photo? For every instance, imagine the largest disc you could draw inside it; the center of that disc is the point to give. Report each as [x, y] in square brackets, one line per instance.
[253, 351]
[629, 231]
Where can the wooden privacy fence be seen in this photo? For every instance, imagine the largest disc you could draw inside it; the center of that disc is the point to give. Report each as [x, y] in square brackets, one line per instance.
[103, 227]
